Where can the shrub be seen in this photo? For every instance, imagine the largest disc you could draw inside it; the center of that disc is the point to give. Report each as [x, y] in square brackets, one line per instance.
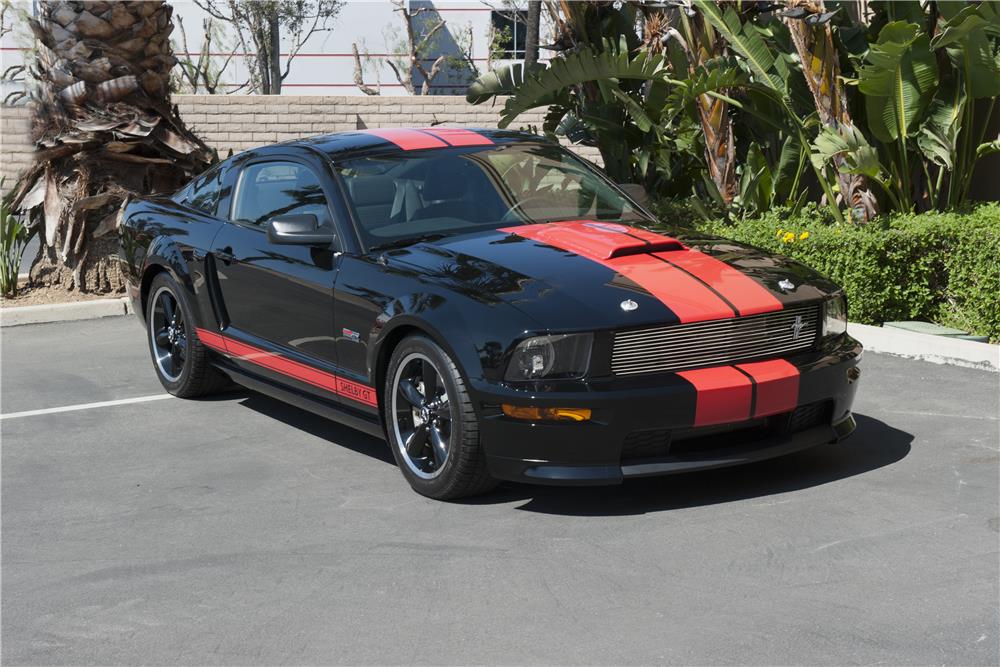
[13, 237]
[939, 267]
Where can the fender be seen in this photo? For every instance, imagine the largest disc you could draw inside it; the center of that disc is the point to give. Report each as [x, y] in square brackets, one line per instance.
[448, 323]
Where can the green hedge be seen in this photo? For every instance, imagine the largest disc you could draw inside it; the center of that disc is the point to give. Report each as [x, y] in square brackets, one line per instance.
[937, 267]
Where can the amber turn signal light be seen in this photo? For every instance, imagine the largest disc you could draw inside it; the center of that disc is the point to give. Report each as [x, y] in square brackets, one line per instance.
[546, 414]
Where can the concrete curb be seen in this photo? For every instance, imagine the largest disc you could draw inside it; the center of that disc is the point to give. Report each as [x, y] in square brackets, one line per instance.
[64, 312]
[936, 349]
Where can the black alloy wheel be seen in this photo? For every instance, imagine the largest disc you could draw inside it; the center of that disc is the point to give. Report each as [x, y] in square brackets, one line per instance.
[422, 416]
[168, 332]
[431, 424]
[183, 365]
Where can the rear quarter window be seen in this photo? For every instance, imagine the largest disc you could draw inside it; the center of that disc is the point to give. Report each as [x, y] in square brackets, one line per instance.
[203, 193]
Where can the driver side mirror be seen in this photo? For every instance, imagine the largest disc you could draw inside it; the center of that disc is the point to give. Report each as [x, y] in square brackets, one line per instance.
[636, 191]
[298, 230]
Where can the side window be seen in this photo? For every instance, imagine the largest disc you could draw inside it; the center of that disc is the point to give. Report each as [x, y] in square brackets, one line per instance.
[204, 193]
[270, 189]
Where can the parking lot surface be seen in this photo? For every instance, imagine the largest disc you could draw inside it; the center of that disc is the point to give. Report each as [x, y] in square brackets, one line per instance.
[239, 530]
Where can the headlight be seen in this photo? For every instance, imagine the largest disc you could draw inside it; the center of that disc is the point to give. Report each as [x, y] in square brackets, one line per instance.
[834, 316]
[551, 357]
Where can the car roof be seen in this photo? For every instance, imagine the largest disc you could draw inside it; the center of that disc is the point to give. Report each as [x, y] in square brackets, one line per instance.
[389, 140]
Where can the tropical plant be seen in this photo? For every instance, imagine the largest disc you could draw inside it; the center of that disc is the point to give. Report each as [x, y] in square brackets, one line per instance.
[105, 130]
[13, 238]
[752, 108]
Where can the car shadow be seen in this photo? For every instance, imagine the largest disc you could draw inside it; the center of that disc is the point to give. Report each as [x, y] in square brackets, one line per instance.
[873, 445]
[333, 432]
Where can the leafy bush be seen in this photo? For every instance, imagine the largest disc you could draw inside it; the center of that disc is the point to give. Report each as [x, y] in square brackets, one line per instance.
[939, 267]
[13, 237]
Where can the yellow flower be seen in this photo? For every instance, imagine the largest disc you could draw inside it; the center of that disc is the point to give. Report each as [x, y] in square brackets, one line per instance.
[803, 236]
[780, 232]
[789, 237]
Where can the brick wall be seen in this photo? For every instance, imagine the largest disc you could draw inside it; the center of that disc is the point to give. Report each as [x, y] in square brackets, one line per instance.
[15, 143]
[239, 122]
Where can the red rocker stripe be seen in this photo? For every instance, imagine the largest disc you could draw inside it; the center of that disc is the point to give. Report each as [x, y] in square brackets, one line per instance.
[293, 369]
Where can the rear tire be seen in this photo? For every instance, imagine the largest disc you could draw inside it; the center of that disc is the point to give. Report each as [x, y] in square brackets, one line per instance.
[181, 362]
[431, 425]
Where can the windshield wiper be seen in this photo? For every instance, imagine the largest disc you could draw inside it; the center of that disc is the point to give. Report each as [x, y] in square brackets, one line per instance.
[407, 241]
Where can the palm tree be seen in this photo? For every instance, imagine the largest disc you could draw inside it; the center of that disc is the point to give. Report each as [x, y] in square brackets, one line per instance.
[104, 129]
[809, 25]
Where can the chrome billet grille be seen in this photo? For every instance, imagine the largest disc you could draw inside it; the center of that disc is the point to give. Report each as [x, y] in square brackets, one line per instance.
[682, 346]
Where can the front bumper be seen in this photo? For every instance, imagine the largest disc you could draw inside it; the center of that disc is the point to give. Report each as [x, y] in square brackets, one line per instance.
[645, 426]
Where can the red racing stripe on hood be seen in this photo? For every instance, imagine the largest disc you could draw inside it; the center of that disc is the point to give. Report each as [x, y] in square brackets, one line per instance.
[746, 295]
[696, 286]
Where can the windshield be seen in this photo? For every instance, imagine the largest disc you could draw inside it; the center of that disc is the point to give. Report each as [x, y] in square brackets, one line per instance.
[450, 191]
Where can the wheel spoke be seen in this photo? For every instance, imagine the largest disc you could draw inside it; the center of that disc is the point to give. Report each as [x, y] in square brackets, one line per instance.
[411, 393]
[438, 446]
[416, 440]
[180, 348]
[175, 362]
[162, 338]
[168, 306]
[430, 379]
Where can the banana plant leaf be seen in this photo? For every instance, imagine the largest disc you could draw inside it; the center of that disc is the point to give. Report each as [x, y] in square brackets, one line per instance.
[542, 87]
[898, 80]
[938, 138]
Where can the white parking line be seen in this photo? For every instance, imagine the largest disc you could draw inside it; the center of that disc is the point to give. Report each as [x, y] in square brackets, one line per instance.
[85, 406]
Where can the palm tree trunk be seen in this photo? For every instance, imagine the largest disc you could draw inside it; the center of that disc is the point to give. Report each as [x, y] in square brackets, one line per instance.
[531, 38]
[105, 131]
[821, 67]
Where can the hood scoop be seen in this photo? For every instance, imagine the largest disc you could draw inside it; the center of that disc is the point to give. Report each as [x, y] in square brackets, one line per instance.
[597, 240]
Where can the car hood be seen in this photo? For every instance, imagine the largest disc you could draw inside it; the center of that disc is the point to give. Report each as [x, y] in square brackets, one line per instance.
[593, 275]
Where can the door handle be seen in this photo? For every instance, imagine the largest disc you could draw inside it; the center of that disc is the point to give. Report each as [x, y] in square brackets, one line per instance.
[226, 255]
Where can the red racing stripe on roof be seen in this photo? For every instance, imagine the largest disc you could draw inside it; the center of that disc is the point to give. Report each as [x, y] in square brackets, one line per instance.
[457, 136]
[408, 139]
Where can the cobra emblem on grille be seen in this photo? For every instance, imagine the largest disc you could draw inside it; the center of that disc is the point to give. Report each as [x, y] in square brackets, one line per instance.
[797, 327]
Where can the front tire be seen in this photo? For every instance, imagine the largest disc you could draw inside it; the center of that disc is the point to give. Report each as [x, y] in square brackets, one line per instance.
[431, 425]
[181, 361]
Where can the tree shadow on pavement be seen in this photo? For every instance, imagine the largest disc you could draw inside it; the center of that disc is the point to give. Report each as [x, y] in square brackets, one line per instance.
[875, 444]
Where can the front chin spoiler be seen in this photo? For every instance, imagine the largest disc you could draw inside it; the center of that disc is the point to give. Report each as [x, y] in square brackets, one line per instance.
[590, 475]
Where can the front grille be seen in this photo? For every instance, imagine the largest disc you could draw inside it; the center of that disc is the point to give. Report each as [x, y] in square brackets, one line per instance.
[714, 343]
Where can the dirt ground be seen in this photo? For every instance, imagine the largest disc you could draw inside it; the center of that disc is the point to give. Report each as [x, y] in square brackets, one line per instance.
[33, 296]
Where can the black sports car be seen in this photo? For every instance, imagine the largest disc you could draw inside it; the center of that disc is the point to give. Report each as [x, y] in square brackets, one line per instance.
[489, 303]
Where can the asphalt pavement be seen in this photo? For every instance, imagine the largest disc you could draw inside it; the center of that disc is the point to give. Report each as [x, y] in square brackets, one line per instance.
[239, 530]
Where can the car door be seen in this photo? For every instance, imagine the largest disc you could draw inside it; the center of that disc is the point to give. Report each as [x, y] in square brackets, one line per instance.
[276, 301]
